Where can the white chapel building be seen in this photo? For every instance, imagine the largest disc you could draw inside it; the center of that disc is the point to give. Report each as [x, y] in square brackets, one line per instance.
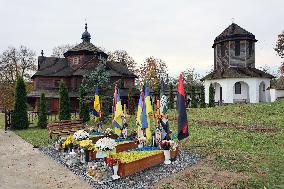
[235, 78]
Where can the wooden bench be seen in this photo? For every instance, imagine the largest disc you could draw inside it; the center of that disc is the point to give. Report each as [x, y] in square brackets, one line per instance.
[64, 127]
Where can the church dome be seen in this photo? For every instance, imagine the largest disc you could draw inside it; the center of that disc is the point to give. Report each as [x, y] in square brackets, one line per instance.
[86, 36]
[234, 32]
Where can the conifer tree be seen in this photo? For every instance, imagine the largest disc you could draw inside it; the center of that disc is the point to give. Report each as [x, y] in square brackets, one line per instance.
[131, 102]
[211, 96]
[193, 97]
[64, 101]
[42, 118]
[202, 96]
[20, 115]
[171, 97]
[83, 105]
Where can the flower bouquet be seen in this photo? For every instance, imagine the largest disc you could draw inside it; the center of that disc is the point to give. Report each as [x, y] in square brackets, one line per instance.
[108, 132]
[86, 146]
[166, 145]
[112, 162]
[80, 135]
[68, 143]
[104, 145]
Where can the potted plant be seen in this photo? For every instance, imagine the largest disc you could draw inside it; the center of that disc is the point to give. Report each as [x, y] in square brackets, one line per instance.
[86, 146]
[80, 135]
[112, 162]
[166, 146]
[104, 145]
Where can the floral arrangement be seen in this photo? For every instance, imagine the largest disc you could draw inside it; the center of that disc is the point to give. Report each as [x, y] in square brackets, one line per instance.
[127, 157]
[166, 144]
[108, 132]
[106, 144]
[68, 141]
[110, 161]
[141, 139]
[87, 145]
[80, 135]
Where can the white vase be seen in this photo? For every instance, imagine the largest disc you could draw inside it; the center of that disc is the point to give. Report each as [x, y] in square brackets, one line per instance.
[140, 145]
[101, 154]
[167, 155]
[115, 170]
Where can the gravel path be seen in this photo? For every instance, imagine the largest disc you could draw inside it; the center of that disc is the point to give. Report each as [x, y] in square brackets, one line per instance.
[23, 167]
[144, 179]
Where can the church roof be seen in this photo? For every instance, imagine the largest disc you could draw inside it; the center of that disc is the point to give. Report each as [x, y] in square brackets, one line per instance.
[236, 72]
[234, 32]
[59, 67]
[52, 66]
[86, 46]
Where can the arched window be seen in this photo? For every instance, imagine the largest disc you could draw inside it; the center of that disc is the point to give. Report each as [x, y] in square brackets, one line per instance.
[238, 88]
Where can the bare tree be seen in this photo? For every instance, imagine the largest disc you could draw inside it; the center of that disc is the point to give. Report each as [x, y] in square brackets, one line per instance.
[17, 62]
[123, 57]
[60, 50]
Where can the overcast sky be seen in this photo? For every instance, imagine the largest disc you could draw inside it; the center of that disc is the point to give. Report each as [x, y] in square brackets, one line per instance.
[180, 32]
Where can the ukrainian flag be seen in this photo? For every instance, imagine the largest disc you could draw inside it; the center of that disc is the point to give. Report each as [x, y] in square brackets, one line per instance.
[97, 106]
[139, 114]
[147, 109]
[117, 121]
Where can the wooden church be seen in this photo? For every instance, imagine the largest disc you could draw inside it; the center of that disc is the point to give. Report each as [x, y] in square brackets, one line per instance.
[78, 61]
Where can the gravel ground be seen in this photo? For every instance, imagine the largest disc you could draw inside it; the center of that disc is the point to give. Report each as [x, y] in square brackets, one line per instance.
[143, 179]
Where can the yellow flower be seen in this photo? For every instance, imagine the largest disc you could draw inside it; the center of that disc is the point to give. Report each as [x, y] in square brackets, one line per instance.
[68, 141]
[87, 144]
[127, 157]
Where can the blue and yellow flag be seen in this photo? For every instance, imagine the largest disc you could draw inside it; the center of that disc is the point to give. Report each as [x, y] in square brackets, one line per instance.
[117, 120]
[139, 114]
[147, 109]
[97, 106]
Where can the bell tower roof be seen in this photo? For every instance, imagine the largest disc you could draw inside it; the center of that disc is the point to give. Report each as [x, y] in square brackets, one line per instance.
[234, 32]
[86, 36]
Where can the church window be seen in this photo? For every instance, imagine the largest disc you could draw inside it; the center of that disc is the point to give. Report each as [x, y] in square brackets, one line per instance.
[56, 83]
[237, 48]
[238, 88]
[250, 48]
[222, 49]
[75, 60]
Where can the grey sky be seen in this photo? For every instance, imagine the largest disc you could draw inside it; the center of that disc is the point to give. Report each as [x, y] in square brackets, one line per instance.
[180, 32]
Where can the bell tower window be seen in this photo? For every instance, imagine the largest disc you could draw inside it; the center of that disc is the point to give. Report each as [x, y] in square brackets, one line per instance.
[237, 48]
[222, 49]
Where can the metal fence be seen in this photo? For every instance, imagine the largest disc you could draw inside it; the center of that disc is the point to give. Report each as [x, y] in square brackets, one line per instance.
[33, 117]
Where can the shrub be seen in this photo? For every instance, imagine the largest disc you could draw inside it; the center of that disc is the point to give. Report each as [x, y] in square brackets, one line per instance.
[20, 115]
[64, 101]
[83, 105]
[42, 118]
[202, 97]
[211, 96]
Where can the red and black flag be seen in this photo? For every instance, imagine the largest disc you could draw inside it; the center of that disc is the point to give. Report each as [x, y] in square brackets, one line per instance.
[181, 109]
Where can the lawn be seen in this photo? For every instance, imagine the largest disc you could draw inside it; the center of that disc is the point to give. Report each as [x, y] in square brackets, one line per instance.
[257, 156]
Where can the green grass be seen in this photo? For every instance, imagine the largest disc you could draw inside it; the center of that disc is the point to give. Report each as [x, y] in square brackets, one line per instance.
[260, 156]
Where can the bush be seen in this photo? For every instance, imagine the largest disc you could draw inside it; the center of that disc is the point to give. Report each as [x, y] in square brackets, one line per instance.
[202, 97]
[20, 115]
[193, 97]
[211, 96]
[42, 118]
[64, 101]
[171, 97]
[83, 105]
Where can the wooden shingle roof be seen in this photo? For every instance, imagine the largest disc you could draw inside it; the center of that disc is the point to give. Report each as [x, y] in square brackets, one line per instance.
[234, 32]
[236, 72]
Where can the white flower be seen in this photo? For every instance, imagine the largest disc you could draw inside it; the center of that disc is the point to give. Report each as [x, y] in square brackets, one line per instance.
[106, 144]
[81, 135]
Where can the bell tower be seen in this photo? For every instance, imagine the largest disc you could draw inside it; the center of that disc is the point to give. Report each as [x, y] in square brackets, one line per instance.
[234, 47]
